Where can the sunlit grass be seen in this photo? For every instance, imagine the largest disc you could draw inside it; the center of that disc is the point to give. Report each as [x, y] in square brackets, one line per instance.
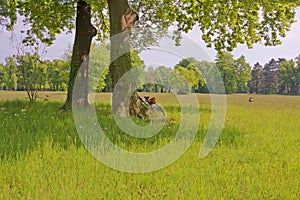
[257, 156]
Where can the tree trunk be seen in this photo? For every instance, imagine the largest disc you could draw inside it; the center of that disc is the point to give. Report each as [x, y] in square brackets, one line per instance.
[122, 18]
[84, 33]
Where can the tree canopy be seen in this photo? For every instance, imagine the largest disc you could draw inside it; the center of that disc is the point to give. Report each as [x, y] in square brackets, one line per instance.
[223, 24]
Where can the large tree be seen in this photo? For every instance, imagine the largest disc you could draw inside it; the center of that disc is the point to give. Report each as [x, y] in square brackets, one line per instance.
[85, 31]
[224, 24]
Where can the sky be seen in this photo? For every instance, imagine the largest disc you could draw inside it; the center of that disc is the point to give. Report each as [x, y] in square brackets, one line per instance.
[289, 49]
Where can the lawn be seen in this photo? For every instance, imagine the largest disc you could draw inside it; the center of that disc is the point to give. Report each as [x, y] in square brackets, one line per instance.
[257, 156]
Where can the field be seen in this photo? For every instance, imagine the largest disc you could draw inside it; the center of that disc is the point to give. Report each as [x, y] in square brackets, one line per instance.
[257, 156]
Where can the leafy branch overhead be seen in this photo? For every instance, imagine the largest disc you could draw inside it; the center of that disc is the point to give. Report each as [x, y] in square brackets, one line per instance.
[224, 24]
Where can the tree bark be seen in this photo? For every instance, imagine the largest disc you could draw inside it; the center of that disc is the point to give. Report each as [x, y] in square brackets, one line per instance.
[84, 33]
[122, 19]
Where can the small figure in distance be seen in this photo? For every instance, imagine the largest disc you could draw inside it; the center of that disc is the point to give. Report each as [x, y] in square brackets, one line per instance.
[251, 99]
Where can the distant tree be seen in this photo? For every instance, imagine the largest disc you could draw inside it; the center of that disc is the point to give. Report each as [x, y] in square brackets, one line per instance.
[189, 75]
[10, 74]
[286, 72]
[257, 79]
[297, 76]
[163, 73]
[271, 76]
[208, 76]
[151, 79]
[186, 62]
[58, 71]
[139, 65]
[243, 74]
[2, 75]
[225, 63]
[178, 82]
[99, 62]
[289, 76]
[108, 84]
[165, 79]
[30, 72]
[42, 76]
[188, 67]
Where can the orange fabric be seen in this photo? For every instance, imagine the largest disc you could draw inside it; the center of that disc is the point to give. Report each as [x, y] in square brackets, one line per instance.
[152, 100]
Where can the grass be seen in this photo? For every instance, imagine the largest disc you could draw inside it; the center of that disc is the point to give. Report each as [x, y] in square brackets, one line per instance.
[257, 156]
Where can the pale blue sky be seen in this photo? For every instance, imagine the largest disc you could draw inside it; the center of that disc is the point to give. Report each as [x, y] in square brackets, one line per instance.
[290, 48]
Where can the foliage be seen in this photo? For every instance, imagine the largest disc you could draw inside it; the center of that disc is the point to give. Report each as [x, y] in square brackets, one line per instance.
[225, 24]
[243, 74]
[31, 72]
[178, 82]
[99, 61]
[188, 68]
[155, 76]
[10, 80]
[163, 79]
[57, 71]
[139, 65]
[236, 21]
[257, 78]
[271, 76]
[2, 73]
[289, 76]
[280, 77]
[225, 64]
[99, 64]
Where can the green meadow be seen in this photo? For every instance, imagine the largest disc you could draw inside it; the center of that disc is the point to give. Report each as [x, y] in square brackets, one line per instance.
[256, 157]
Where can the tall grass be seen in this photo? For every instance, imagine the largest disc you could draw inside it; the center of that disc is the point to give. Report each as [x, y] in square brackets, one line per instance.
[257, 156]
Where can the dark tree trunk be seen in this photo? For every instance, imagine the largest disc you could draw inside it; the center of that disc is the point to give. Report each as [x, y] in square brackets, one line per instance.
[85, 31]
[122, 18]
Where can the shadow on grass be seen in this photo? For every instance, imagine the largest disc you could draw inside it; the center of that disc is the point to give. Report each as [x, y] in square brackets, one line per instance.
[27, 125]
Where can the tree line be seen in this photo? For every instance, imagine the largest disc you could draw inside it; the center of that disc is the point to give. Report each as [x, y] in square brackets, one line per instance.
[281, 76]
[30, 73]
